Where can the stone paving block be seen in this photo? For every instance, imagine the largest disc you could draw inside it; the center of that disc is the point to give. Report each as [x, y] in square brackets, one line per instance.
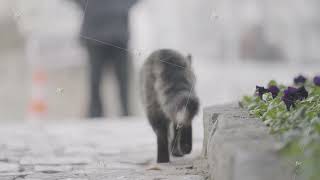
[52, 169]
[259, 166]
[14, 175]
[239, 147]
[54, 160]
[185, 177]
[9, 167]
[75, 179]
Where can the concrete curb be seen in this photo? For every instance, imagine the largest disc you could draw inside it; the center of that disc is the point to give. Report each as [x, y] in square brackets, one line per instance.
[239, 147]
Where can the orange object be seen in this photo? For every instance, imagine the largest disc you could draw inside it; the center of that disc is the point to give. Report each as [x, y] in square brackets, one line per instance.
[39, 77]
[38, 107]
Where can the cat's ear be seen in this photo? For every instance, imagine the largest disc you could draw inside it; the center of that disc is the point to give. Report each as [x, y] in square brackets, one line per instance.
[189, 58]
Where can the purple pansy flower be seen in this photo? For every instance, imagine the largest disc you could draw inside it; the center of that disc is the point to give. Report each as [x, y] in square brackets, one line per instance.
[302, 93]
[261, 91]
[316, 80]
[291, 95]
[274, 90]
[300, 80]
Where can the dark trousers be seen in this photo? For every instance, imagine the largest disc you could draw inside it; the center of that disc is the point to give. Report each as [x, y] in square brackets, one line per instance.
[100, 57]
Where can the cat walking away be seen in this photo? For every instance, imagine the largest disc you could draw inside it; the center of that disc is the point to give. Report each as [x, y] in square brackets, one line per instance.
[170, 101]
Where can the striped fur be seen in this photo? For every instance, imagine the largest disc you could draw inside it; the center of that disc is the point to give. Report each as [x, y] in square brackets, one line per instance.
[169, 97]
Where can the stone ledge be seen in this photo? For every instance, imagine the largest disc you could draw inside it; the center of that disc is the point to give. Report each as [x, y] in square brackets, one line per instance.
[239, 147]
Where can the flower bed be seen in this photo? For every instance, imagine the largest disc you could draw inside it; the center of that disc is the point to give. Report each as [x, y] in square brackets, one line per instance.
[293, 115]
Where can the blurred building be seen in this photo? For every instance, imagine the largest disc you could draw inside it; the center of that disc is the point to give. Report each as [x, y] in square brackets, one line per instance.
[229, 30]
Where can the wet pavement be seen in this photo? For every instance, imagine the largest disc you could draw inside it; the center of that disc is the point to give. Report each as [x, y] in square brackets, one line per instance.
[91, 150]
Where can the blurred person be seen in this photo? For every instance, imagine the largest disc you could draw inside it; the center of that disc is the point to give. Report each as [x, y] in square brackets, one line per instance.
[255, 45]
[105, 35]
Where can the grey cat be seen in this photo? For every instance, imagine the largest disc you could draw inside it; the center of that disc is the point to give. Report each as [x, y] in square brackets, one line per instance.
[170, 101]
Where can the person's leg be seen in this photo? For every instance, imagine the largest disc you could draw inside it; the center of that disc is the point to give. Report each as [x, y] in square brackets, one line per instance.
[122, 71]
[96, 63]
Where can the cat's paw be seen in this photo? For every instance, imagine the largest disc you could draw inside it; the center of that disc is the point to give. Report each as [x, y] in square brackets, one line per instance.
[176, 152]
[186, 148]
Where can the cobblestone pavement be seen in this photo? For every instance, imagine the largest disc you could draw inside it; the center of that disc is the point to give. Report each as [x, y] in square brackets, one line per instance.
[91, 150]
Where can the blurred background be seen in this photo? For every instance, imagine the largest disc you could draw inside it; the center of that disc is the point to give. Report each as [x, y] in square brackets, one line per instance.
[235, 46]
